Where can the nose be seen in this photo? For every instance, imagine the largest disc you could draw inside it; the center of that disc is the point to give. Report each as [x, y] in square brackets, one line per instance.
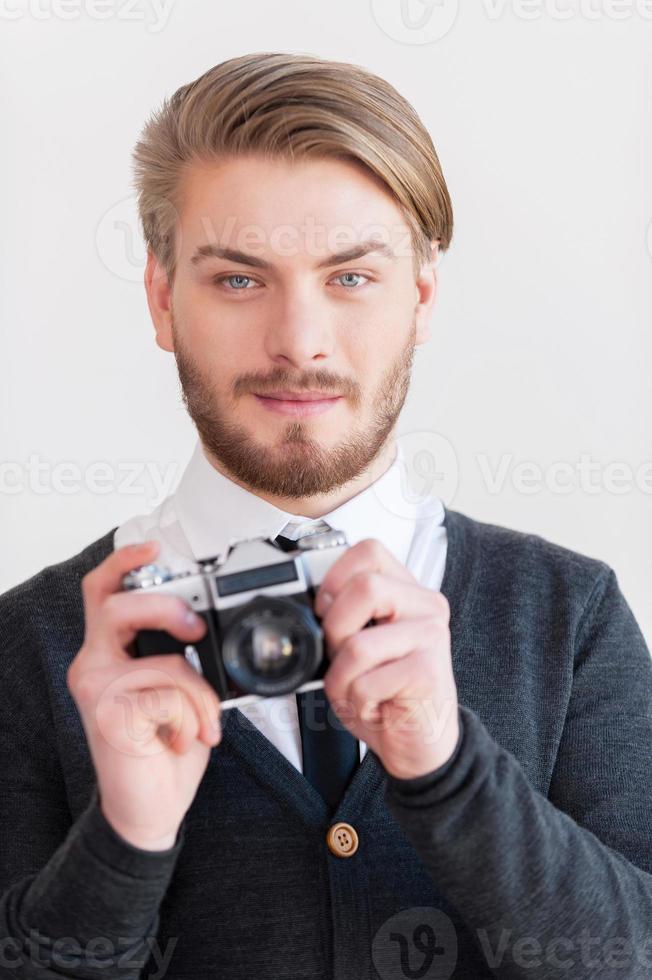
[300, 330]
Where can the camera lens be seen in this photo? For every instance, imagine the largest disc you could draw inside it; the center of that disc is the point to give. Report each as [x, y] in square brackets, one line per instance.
[272, 646]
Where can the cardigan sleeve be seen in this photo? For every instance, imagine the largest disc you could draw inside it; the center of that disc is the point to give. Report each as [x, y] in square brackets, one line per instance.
[76, 899]
[559, 885]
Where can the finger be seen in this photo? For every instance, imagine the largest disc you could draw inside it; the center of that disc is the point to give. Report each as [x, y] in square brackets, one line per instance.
[178, 731]
[368, 555]
[378, 644]
[402, 678]
[401, 696]
[173, 670]
[106, 577]
[95, 689]
[402, 689]
[372, 595]
[123, 614]
[146, 721]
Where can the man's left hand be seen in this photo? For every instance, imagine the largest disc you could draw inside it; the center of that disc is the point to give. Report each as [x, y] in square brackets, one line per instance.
[390, 684]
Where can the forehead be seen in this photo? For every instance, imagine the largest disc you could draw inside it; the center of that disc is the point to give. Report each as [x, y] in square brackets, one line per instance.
[280, 208]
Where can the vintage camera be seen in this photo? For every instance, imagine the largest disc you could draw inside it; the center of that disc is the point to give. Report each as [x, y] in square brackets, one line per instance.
[263, 638]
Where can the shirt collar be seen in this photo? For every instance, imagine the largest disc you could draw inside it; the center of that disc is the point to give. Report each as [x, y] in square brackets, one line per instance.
[213, 510]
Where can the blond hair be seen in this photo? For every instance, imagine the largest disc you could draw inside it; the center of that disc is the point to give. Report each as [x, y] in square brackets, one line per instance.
[290, 106]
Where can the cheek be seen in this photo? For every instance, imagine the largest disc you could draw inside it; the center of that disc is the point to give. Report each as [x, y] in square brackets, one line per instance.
[360, 343]
[206, 330]
[373, 351]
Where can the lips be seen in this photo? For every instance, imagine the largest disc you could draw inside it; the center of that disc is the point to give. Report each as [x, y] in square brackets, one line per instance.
[298, 396]
[298, 406]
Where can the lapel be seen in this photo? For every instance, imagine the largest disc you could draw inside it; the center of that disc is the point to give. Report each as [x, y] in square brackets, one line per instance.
[275, 772]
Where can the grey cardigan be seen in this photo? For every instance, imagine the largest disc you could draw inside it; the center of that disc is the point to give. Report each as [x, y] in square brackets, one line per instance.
[528, 855]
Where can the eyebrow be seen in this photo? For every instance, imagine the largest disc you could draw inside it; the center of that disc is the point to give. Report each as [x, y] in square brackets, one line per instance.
[234, 255]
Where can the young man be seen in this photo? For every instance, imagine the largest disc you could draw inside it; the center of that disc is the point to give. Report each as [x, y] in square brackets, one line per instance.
[484, 806]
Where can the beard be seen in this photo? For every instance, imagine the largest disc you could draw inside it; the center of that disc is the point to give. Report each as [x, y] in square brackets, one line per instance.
[297, 466]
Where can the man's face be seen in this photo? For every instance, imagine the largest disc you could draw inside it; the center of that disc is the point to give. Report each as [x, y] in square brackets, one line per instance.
[287, 320]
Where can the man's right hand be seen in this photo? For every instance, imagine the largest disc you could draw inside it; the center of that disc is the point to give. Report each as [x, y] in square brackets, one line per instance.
[148, 721]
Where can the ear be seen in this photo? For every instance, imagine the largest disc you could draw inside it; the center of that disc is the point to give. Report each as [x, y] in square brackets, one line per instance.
[426, 285]
[159, 300]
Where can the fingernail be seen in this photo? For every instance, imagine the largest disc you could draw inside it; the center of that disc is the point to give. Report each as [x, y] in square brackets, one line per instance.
[191, 618]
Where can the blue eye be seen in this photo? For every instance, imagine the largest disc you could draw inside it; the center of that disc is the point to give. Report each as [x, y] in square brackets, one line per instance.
[357, 275]
[220, 279]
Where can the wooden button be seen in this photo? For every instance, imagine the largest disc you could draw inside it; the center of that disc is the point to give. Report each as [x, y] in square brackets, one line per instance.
[342, 840]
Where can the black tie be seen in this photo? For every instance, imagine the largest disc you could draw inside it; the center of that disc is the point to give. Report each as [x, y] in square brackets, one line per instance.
[330, 752]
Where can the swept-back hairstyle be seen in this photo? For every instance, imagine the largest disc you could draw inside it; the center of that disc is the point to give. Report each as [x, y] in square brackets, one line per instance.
[290, 106]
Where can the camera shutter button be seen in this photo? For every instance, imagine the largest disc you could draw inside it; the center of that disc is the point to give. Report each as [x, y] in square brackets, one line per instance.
[342, 840]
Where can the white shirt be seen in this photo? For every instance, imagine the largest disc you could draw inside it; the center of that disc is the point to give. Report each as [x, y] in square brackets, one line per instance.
[208, 511]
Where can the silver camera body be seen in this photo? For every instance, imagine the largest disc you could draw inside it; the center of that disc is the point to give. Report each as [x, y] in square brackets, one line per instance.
[263, 638]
